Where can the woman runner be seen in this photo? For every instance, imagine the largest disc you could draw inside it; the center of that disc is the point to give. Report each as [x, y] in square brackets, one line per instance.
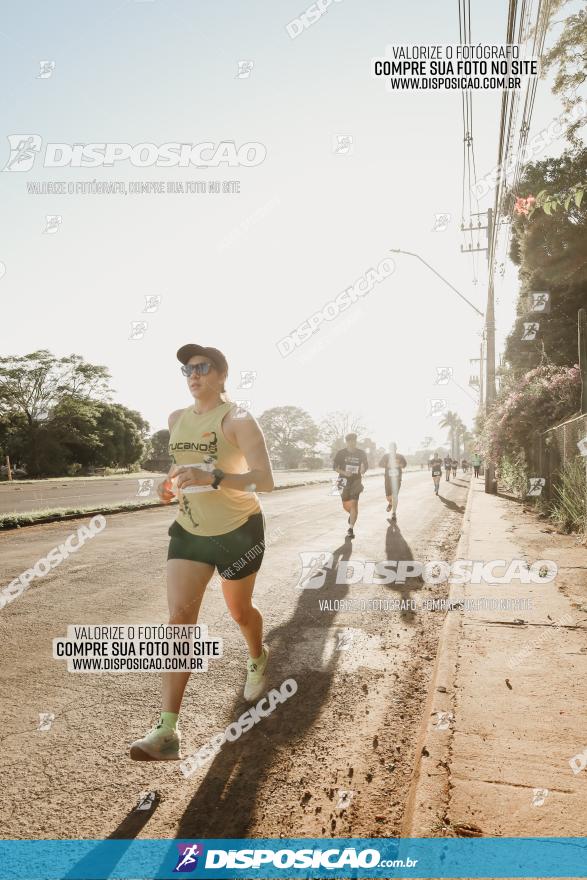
[220, 461]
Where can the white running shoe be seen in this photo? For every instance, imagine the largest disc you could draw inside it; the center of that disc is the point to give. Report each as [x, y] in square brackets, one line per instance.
[157, 745]
[256, 677]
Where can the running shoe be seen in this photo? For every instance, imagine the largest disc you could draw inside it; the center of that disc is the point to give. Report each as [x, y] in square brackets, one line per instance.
[159, 744]
[350, 533]
[388, 507]
[256, 677]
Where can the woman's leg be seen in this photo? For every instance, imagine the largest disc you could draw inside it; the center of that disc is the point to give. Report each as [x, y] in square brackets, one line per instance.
[395, 487]
[186, 583]
[238, 596]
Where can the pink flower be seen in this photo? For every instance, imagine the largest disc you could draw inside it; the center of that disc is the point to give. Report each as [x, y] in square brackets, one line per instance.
[523, 205]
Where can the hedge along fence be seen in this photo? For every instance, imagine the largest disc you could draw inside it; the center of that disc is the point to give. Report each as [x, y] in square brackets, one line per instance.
[555, 456]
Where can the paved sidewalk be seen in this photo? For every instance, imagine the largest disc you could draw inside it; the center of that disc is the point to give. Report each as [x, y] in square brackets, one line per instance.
[513, 687]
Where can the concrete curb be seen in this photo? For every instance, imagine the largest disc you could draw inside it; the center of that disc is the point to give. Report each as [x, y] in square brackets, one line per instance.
[430, 785]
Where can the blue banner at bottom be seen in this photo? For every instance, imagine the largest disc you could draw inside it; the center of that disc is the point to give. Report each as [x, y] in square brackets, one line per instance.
[293, 857]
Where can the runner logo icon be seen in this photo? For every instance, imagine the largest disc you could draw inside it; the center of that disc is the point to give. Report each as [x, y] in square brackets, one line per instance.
[23, 151]
[187, 860]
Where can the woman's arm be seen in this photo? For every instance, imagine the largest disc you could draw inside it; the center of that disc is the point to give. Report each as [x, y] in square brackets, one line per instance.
[164, 487]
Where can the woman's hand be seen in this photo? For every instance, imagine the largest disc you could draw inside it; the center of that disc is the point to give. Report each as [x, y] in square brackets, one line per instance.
[192, 476]
[165, 491]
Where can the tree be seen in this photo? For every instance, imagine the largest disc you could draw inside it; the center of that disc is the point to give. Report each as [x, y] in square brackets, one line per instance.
[459, 431]
[450, 422]
[290, 433]
[336, 425]
[468, 443]
[549, 249]
[12, 438]
[123, 434]
[92, 433]
[160, 444]
[33, 385]
[424, 450]
[569, 57]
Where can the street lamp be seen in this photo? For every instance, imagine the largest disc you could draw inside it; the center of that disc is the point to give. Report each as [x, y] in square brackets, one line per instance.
[490, 484]
[442, 278]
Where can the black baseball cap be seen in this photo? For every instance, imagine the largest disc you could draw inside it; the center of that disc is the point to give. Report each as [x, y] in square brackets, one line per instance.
[213, 354]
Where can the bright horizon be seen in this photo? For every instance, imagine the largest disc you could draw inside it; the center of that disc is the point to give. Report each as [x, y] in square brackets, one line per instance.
[240, 271]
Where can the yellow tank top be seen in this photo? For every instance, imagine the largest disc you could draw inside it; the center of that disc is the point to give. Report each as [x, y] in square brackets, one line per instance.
[199, 440]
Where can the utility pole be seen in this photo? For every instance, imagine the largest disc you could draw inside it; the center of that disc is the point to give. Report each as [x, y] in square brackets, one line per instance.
[490, 481]
[481, 361]
[582, 330]
[490, 326]
[481, 371]
[489, 337]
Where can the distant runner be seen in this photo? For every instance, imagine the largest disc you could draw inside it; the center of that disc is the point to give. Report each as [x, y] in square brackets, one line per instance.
[436, 471]
[455, 465]
[465, 465]
[394, 463]
[476, 461]
[447, 467]
[351, 463]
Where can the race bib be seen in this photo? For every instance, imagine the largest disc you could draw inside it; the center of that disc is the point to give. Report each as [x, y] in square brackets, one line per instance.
[394, 471]
[436, 472]
[190, 490]
[352, 469]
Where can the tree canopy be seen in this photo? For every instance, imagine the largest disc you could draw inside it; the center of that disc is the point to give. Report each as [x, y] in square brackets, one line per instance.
[551, 253]
[290, 434]
[55, 413]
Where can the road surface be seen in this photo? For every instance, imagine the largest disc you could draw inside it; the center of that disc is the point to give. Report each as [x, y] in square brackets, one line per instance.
[334, 760]
[25, 496]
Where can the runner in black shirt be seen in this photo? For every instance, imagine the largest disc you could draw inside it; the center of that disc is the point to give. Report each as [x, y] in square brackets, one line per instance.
[436, 471]
[394, 465]
[351, 463]
[447, 467]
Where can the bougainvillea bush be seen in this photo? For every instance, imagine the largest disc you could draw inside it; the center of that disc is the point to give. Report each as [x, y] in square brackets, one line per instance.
[540, 399]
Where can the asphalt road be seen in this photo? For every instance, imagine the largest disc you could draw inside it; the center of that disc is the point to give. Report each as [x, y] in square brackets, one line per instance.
[334, 760]
[24, 496]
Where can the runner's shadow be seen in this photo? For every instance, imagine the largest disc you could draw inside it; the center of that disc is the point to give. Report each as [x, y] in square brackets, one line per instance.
[107, 856]
[224, 804]
[451, 504]
[397, 548]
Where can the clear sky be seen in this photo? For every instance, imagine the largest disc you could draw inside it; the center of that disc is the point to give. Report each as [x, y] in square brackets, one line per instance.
[240, 271]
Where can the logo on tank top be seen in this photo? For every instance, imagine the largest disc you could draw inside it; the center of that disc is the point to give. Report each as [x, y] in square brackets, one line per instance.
[208, 443]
